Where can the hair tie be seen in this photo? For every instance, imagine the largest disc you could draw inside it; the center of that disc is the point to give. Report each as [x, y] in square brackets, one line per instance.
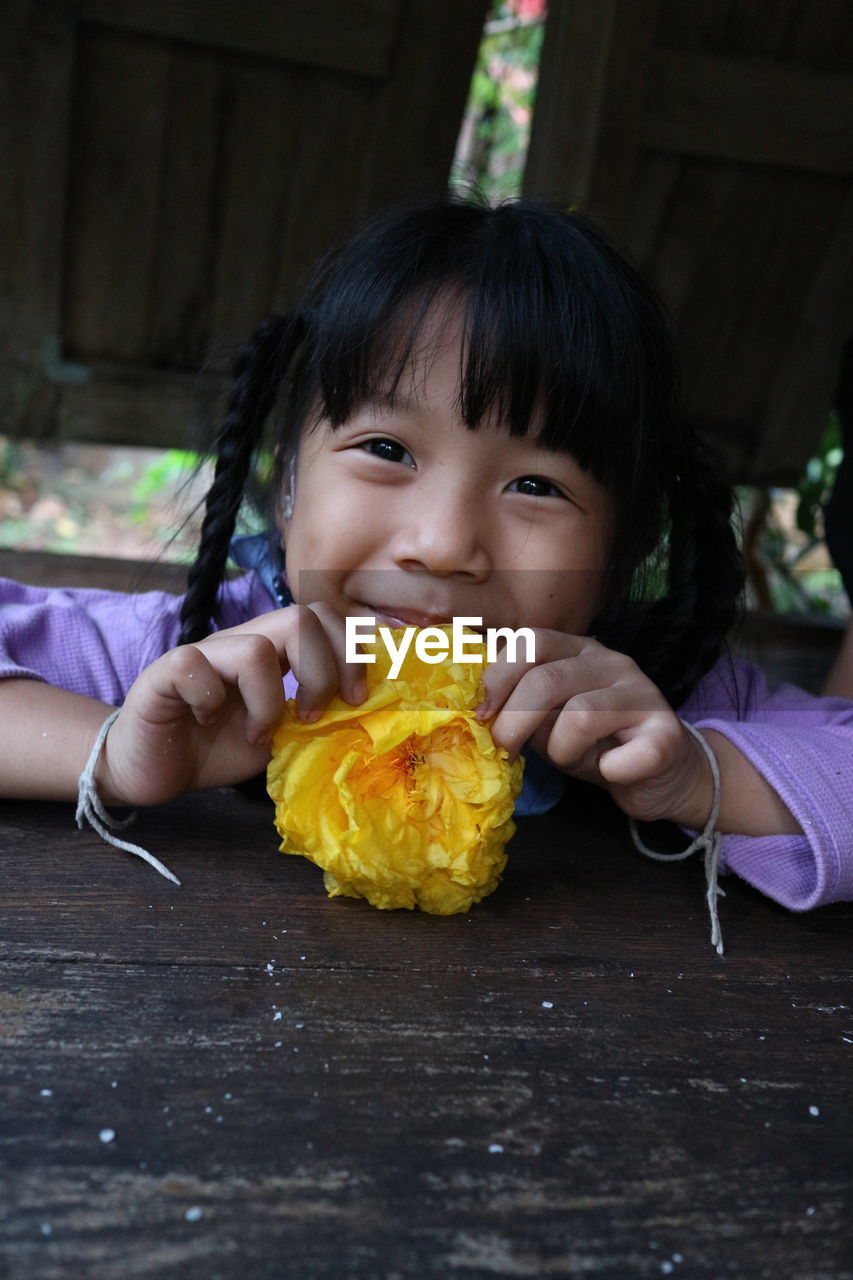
[709, 840]
[91, 810]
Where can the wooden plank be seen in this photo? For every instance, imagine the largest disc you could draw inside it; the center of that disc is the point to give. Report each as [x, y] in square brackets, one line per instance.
[698, 209]
[138, 406]
[177, 319]
[262, 124]
[702, 24]
[410, 147]
[439, 1096]
[36, 57]
[117, 156]
[344, 35]
[741, 306]
[762, 26]
[569, 100]
[821, 34]
[750, 110]
[316, 214]
[805, 379]
[585, 134]
[36, 54]
[54, 569]
[655, 183]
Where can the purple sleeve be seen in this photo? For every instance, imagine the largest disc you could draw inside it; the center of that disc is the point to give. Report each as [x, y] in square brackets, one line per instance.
[97, 642]
[803, 746]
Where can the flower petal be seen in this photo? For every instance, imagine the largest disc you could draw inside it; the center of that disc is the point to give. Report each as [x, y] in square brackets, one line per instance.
[403, 800]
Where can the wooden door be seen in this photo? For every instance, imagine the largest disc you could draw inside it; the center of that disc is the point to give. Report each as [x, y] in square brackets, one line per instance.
[170, 168]
[715, 139]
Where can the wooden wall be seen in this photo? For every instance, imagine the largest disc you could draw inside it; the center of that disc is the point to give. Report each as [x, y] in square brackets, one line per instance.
[715, 139]
[170, 168]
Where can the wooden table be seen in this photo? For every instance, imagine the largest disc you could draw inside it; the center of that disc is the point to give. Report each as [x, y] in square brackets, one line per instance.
[241, 1078]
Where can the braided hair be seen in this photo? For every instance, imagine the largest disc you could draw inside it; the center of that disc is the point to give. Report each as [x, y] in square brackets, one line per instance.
[258, 373]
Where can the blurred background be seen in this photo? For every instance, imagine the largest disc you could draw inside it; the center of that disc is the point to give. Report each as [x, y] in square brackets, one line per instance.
[170, 169]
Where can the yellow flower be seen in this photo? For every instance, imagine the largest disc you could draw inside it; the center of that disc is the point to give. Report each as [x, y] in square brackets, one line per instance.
[403, 800]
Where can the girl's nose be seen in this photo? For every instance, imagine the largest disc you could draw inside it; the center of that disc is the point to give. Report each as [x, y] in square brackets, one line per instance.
[444, 532]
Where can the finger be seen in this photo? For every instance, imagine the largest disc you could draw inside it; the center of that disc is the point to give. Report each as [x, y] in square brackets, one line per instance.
[586, 721]
[647, 754]
[587, 768]
[181, 679]
[351, 678]
[551, 686]
[251, 664]
[313, 661]
[501, 676]
[311, 642]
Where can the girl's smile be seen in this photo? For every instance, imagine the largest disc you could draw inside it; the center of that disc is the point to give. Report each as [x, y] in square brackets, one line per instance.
[405, 513]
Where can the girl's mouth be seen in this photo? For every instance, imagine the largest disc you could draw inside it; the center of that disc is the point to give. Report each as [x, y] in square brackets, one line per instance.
[396, 618]
[393, 617]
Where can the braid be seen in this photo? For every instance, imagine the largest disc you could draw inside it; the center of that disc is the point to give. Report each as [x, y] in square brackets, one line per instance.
[684, 633]
[257, 376]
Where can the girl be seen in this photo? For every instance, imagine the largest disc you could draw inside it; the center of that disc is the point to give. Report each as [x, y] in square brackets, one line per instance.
[478, 416]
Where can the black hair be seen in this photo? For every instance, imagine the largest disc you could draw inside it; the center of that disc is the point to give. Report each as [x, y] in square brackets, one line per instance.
[562, 339]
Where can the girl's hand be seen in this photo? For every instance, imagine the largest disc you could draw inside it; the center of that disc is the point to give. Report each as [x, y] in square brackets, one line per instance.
[203, 714]
[593, 714]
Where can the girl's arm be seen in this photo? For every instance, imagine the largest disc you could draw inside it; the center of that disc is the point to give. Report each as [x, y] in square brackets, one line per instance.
[46, 739]
[201, 715]
[596, 716]
[786, 757]
[749, 806]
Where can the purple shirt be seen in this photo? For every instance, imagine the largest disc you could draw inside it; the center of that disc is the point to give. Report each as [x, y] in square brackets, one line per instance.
[97, 642]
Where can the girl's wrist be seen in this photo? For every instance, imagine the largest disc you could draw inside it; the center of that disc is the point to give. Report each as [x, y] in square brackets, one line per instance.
[108, 792]
[696, 794]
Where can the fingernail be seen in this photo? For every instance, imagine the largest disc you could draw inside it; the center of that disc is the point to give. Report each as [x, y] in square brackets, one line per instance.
[482, 712]
[313, 716]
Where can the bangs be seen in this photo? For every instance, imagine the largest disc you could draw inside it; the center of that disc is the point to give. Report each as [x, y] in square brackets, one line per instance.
[561, 339]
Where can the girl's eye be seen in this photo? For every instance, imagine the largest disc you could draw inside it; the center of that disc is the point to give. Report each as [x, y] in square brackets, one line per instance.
[536, 487]
[388, 450]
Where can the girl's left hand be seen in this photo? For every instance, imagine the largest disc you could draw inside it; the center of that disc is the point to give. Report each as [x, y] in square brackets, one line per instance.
[593, 714]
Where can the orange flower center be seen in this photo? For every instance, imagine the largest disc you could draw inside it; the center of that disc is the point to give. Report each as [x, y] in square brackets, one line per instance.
[401, 769]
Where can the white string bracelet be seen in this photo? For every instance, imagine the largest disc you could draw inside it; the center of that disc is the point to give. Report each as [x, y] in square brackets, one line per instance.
[710, 841]
[91, 810]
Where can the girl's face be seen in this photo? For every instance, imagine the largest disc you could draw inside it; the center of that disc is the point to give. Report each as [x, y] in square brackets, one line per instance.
[405, 514]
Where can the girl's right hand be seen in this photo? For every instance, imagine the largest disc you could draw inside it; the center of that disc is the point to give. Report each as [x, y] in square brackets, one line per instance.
[203, 715]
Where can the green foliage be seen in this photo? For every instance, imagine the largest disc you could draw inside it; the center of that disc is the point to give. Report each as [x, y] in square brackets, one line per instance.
[500, 104]
[816, 485]
[789, 533]
[10, 462]
[164, 473]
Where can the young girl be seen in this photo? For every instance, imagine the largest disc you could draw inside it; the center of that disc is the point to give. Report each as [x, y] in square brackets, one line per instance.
[478, 416]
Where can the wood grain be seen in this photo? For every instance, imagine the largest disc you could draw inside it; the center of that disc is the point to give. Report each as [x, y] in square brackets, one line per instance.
[750, 110]
[566, 1080]
[355, 35]
[714, 140]
[116, 159]
[170, 170]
